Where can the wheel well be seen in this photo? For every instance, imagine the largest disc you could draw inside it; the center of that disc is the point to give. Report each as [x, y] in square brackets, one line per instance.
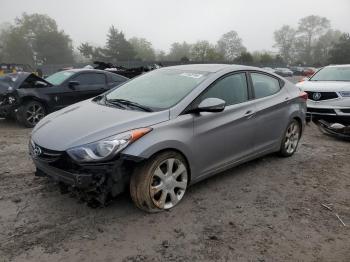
[300, 123]
[179, 152]
[32, 98]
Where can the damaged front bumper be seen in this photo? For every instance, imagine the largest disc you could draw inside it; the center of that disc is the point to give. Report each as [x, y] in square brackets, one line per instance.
[8, 105]
[97, 180]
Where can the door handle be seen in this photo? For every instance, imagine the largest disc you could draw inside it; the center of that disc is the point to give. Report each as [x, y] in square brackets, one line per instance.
[249, 114]
[287, 99]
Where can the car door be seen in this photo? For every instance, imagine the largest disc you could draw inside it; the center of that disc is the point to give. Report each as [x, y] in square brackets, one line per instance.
[89, 84]
[224, 138]
[272, 114]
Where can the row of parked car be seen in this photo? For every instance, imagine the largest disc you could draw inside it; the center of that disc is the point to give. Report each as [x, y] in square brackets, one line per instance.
[292, 71]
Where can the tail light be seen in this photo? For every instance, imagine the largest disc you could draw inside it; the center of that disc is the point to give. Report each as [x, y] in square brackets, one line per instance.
[303, 95]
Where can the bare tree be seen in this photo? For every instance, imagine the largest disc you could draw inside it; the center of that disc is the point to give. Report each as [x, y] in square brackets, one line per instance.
[230, 46]
[285, 42]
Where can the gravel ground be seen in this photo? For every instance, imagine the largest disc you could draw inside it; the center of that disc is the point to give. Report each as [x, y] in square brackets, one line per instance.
[265, 210]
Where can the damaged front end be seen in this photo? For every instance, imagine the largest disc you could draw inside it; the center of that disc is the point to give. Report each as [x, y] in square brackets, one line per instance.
[93, 183]
[9, 100]
[338, 130]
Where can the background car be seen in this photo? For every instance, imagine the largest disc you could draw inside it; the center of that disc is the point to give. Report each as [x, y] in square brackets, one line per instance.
[28, 98]
[167, 129]
[297, 70]
[283, 72]
[329, 93]
[309, 71]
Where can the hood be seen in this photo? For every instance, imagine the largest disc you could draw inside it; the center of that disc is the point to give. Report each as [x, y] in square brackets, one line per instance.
[324, 86]
[11, 82]
[87, 122]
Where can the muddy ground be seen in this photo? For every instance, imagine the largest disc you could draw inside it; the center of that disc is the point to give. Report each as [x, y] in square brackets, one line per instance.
[266, 210]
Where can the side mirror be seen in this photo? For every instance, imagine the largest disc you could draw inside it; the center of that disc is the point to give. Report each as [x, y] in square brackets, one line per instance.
[73, 84]
[211, 105]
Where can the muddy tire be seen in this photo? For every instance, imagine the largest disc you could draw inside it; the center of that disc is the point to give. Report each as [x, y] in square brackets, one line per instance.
[290, 139]
[30, 113]
[160, 183]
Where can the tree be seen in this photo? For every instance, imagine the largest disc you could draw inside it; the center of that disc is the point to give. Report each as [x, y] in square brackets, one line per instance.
[324, 44]
[204, 51]
[117, 47]
[230, 46]
[143, 49]
[179, 50]
[244, 58]
[309, 29]
[36, 39]
[160, 55]
[92, 53]
[285, 42]
[340, 53]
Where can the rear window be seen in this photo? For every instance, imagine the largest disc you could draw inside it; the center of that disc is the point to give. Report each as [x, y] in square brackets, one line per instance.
[264, 85]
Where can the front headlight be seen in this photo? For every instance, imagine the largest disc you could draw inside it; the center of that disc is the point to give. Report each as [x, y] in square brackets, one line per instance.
[106, 149]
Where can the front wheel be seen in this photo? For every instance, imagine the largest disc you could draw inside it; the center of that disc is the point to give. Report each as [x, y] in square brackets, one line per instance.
[291, 139]
[30, 113]
[160, 183]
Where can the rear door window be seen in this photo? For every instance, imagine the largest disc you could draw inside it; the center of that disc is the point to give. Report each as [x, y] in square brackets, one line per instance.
[91, 79]
[264, 85]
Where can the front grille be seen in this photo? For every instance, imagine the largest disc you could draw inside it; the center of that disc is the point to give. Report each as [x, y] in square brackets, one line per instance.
[321, 110]
[347, 111]
[45, 154]
[321, 95]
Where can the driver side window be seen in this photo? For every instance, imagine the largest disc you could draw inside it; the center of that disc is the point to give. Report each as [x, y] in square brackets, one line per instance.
[233, 89]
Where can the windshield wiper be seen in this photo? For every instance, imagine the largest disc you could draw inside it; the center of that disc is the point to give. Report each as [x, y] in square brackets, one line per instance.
[129, 103]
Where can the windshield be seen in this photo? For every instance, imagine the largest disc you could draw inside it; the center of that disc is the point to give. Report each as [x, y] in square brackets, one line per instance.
[332, 74]
[59, 77]
[159, 89]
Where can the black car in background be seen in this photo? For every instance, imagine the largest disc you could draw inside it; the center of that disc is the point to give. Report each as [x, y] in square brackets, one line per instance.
[28, 98]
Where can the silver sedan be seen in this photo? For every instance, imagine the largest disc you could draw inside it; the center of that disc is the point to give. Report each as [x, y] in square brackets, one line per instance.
[168, 129]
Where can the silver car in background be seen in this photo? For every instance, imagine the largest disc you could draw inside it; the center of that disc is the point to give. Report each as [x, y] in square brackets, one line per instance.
[167, 129]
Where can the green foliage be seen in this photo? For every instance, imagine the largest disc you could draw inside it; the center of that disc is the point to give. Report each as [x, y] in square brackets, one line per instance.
[91, 52]
[340, 53]
[117, 47]
[179, 51]
[143, 48]
[244, 58]
[35, 39]
[203, 51]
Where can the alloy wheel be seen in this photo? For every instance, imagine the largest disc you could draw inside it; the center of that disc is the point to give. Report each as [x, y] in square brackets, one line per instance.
[34, 114]
[292, 137]
[169, 183]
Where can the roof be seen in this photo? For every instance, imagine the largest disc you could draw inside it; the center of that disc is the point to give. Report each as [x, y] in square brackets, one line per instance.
[212, 68]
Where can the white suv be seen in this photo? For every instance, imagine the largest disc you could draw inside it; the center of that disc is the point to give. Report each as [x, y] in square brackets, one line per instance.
[329, 93]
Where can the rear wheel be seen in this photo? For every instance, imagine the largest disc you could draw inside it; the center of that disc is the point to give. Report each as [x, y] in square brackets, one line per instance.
[160, 183]
[30, 113]
[291, 139]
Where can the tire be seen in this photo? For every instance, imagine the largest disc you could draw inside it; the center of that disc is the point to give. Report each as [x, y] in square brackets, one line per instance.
[153, 188]
[30, 113]
[290, 139]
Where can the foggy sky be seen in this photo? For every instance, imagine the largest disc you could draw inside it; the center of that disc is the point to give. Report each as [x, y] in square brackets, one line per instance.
[166, 21]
